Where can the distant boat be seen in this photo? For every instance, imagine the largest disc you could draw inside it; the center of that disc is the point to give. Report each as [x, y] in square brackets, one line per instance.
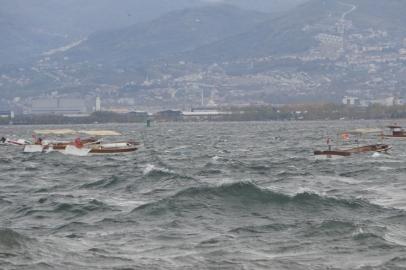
[340, 153]
[397, 133]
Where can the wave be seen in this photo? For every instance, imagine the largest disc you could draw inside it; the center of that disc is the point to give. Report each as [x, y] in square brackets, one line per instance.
[112, 181]
[81, 209]
[10, 239]
[154, 172]
[246, 197]
[152, 169]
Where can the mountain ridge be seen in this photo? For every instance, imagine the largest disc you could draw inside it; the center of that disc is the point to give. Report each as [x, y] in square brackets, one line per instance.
[175, 32]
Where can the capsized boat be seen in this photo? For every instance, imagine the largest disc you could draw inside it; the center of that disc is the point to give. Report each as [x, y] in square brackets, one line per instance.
[397, 133]
[18, 142]
[340, 153]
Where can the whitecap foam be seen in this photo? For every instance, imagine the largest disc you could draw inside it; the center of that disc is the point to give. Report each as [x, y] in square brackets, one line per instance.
[385, 169]
[150, 168]
[181, 147]
[358, 233]
[303, 190]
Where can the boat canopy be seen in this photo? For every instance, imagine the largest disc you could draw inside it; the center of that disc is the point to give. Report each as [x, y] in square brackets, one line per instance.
[70, 132]
[361, 131]
[100, 132]
[395, 127]
[55, 131]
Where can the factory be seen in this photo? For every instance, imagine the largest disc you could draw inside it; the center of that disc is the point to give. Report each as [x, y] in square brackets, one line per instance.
[359, 102]
[64, 106]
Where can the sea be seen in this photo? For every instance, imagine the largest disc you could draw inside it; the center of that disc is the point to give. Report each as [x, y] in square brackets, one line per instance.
[233, 195]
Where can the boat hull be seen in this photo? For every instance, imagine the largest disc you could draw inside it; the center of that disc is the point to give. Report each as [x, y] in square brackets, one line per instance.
[33, 148]
[103, 149]
[59, 146]
[328, 157]
[19, 142]
[338, 154]
[395, 136]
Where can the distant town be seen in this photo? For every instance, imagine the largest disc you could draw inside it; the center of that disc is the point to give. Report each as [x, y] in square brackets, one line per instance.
[350, 66]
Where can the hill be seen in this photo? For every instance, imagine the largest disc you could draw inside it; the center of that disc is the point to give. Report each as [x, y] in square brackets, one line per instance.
[175, 32]
[80, 18]
[284, 33]
[384, 15]
[221, 32]
[20, 40]
[33, 27]
[270, 6]
[225, 33]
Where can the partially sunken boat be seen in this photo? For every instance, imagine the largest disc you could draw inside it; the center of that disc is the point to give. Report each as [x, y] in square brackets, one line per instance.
[360, 133]
[80, 149]
[397, 133]
[102, 148]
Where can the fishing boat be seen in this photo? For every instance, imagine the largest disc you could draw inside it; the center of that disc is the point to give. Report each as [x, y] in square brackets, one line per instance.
[397, 133]
[360, 133]
[55, 145]
[102, 148]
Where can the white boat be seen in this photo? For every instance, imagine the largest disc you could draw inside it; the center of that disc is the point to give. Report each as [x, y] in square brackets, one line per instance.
[52, 144]
[341, 153]
[18, 142]
[85, 147]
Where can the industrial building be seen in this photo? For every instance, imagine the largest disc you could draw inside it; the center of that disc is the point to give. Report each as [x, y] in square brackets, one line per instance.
[10, 111]
[358, 102]
[62, 106]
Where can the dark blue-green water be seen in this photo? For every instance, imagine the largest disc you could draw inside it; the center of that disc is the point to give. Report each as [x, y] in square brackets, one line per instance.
[205, 196]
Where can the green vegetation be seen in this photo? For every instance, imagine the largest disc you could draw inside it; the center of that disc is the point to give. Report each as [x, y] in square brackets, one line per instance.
[304, 111]
[313, 111]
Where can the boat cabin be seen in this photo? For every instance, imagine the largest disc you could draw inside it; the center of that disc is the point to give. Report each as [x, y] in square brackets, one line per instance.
[397, 131]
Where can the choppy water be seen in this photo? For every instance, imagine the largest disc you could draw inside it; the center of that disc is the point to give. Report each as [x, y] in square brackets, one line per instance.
[205, 196]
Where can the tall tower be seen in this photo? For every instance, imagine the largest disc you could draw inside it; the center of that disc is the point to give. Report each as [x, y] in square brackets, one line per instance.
[98, 104]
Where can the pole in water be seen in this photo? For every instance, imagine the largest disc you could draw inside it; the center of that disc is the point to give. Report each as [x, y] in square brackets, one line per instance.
[148, 123]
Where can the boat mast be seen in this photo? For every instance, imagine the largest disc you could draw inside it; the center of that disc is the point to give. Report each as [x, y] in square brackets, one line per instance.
[337, 142]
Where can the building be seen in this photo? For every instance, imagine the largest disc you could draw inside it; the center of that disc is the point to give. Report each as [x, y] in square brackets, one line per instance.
[351, 101]
[372, 48]
[98, 107]
[138, 114]
[61, 106]
[358, 102]
[169, 113]
[10, 111]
